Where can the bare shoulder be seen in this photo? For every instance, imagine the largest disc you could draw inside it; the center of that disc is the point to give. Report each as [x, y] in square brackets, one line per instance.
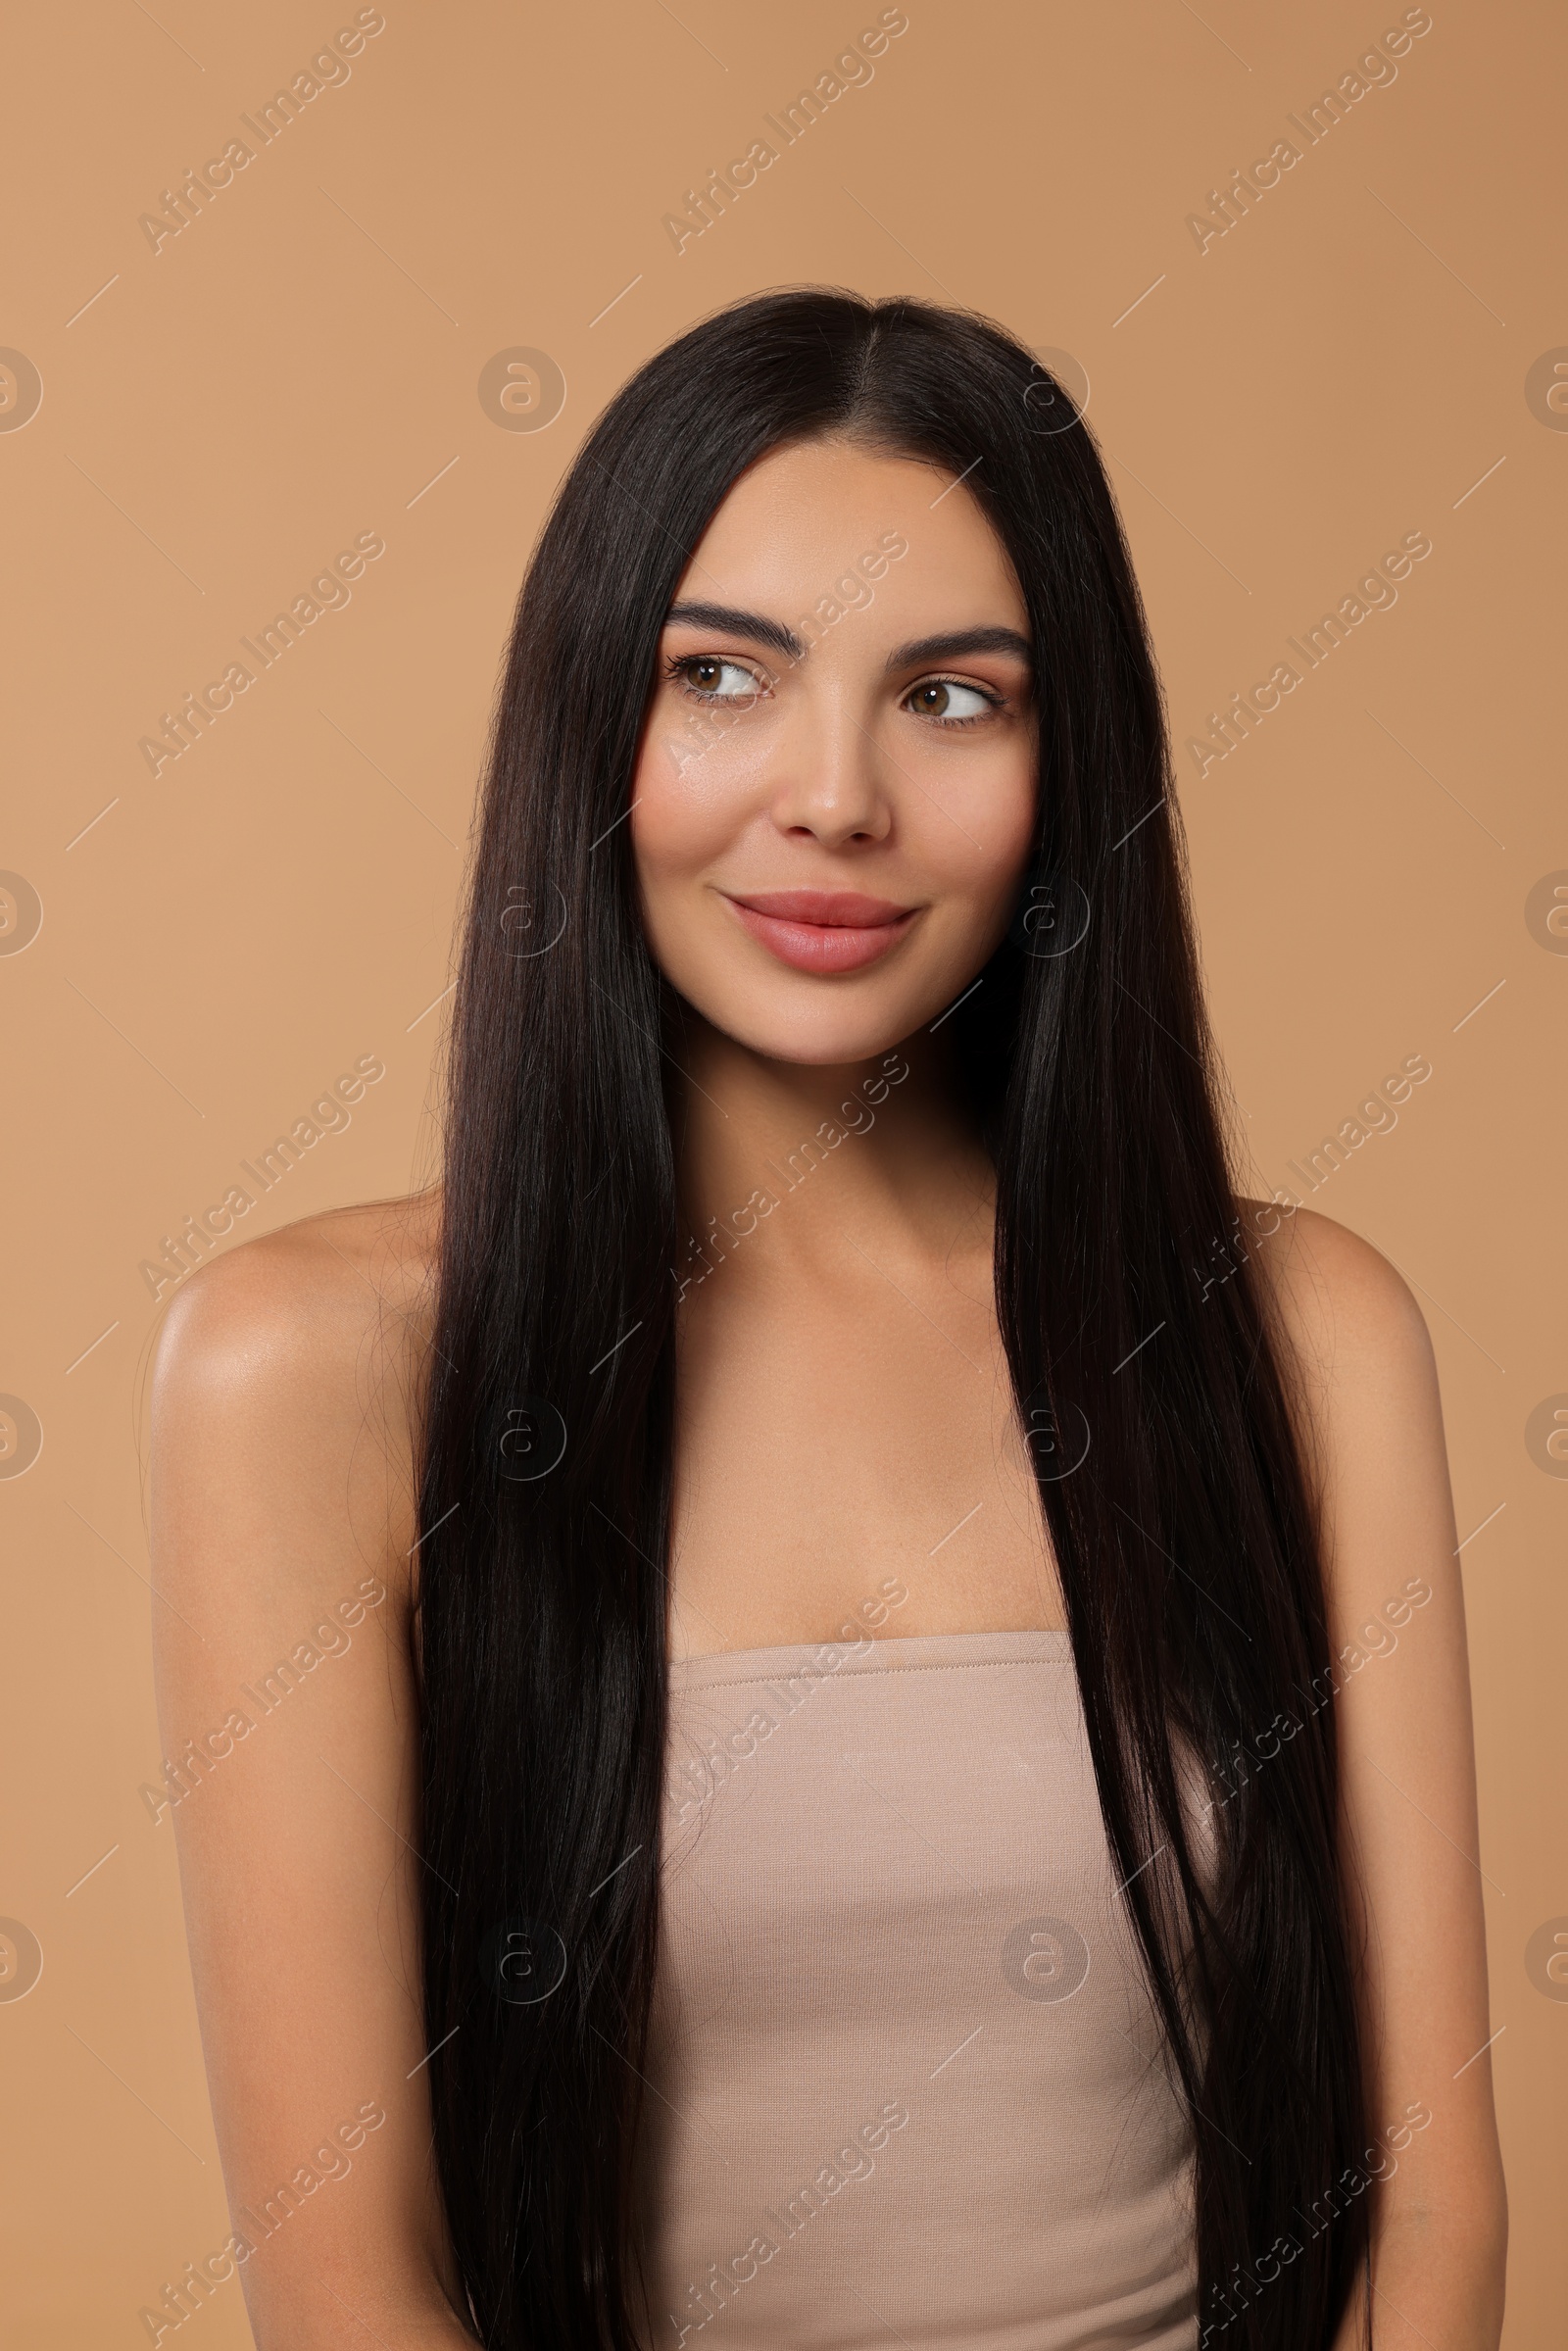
[286, 1668]
[1346, 1314]
[302, 1351]
[1356, 1356]
[304, 1290]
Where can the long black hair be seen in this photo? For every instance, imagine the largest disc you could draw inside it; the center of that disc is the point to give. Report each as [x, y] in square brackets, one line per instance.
[1134, 1325]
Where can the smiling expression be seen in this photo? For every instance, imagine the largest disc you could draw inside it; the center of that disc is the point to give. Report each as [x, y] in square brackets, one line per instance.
[835, 797]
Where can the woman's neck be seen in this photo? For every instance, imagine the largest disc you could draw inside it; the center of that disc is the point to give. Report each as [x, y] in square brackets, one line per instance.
[811, 1154]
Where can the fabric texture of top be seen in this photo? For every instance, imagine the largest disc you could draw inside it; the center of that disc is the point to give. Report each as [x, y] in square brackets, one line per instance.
[905, 2080]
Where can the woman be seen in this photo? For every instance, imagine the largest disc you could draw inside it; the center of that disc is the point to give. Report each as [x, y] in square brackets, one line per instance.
[910, 1776]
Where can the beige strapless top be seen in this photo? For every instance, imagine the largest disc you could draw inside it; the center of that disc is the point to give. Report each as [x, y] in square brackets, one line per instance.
[905, 2082]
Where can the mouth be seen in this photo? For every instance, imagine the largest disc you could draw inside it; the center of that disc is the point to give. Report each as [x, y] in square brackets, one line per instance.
[823, 930]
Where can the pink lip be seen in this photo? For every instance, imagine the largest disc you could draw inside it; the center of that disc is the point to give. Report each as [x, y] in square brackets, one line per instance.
[823, 930]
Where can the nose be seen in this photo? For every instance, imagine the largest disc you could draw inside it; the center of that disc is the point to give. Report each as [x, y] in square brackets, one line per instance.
[832, 780]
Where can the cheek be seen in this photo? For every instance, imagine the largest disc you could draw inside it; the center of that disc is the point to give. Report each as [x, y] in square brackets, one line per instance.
[974, 832]
[689, 809]
[686, 812]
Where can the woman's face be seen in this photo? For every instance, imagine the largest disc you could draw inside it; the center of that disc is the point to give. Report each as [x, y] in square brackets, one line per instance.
[835, 796]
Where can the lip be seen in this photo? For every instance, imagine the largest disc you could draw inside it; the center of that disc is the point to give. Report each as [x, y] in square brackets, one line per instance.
[823, 930]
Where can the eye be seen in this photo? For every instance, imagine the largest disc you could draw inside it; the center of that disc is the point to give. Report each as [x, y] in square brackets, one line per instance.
[709, 677]
[953, 704]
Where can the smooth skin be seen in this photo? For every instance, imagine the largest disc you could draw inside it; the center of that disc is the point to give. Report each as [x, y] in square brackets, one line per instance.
[843, 1414]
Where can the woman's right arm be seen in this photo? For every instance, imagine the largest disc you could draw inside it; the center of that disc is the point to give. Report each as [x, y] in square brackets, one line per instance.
[281, 1517]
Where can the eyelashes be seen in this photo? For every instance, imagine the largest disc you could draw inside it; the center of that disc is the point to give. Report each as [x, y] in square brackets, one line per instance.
[682, 671]
[949, 687]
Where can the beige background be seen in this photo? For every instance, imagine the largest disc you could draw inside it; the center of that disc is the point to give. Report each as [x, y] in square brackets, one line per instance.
[299, 365]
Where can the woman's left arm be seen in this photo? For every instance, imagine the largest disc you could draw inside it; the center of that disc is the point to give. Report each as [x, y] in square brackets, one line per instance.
[1374, 1431]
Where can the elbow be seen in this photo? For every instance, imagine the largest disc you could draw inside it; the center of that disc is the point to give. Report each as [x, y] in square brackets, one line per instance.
[1460, 2239]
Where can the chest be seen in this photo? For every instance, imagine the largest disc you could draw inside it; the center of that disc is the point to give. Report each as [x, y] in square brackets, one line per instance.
[900, 2050]
[852, 1455]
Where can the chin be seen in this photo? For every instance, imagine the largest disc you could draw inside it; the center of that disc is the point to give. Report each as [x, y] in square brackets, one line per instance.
[823, 1025]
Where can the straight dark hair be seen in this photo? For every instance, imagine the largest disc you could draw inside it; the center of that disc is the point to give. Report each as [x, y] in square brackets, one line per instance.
[1185, 1535]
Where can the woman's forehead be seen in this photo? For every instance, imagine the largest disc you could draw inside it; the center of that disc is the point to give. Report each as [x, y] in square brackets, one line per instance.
[803, 516]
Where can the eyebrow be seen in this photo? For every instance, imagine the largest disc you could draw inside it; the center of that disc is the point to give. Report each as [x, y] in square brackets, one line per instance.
[948, 645]
[755, 625]
[953, 644]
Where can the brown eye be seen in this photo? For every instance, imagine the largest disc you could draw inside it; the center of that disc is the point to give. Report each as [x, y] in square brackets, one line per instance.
[713, 678]
[945, 701]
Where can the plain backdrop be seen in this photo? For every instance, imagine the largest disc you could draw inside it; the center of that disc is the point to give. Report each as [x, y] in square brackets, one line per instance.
[194, 424]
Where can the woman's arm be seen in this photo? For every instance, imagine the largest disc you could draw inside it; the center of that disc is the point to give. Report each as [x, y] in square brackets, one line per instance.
[1374, 1428]
[282, 1526]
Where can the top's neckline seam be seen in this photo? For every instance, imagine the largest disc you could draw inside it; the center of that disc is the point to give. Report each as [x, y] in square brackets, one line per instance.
[718, 1663]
